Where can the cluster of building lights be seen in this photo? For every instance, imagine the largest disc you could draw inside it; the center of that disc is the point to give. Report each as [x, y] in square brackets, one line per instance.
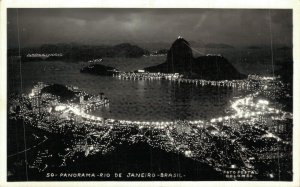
[169, 135]
[95, 60]
[146, 75]
[154, 54]
[36, 55]
[243, 108]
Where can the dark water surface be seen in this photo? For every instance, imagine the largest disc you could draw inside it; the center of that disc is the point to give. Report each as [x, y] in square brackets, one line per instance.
[129, 99]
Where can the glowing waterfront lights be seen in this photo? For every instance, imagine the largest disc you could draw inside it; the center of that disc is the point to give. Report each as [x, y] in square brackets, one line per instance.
[239, 106]
[191, 138]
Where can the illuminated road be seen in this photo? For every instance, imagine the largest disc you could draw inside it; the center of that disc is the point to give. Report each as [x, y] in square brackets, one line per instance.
[244, 108]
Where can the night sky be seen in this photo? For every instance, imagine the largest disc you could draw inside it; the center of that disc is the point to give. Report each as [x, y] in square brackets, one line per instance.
[111, 26]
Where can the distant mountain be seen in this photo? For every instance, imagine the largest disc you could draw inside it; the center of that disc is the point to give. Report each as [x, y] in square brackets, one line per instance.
[215, 68]
[77, 52]
[152, 46]
[286, 72]
[197, 44]
[217, 45]
[180, 60]
[160, 52]
[127, 50]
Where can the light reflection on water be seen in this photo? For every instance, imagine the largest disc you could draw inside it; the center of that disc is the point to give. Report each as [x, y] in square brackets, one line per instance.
[130, 99]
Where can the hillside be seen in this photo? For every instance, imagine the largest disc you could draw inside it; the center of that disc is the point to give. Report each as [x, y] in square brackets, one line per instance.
[142, 158]
[78, 52]
[180, 60]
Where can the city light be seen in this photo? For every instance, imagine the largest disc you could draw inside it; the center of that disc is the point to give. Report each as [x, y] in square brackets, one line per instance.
[248, 118]
[60, 107]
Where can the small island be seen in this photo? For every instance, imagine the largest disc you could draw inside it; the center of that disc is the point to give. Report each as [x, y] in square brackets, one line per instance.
[98, 69]
[59, 90]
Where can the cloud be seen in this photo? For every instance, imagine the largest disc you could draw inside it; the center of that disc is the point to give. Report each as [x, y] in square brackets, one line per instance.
[93, 26]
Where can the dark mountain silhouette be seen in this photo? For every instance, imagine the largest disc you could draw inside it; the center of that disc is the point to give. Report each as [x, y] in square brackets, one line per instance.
[128, 50]
[180, 60]
[286, 72]
[161, 52]
[78, 52]
[153, 45]
[215, 68]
